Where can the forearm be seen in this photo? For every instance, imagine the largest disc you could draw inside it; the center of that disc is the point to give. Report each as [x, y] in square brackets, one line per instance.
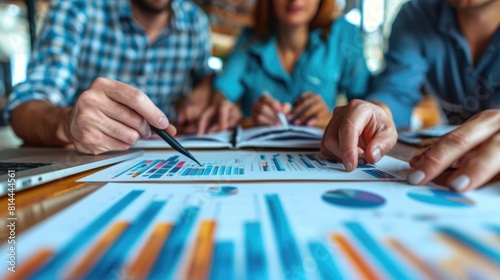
[41, 123]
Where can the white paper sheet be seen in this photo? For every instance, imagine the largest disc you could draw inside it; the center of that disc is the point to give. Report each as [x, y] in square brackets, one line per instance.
[244, 166]
[221, 139]
[293, 220]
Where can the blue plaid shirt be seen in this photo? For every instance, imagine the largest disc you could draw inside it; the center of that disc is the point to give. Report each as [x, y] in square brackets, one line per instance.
[85, 39]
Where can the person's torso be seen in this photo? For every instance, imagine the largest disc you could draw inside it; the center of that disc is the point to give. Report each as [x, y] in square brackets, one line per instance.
[114, 46]
[462, 88]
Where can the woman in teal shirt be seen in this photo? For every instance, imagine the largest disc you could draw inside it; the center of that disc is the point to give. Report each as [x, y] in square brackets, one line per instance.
[298, 53]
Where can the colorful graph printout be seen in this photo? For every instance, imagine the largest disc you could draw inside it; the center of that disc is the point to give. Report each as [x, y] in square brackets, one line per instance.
[245, 166]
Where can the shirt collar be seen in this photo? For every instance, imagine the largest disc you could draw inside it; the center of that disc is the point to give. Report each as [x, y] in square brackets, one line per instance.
[447, 19]
[178, 20]
[267, 51]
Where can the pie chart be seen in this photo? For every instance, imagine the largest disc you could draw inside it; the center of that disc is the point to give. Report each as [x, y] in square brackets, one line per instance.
[353, 198]
[441, 198]
[222, 190]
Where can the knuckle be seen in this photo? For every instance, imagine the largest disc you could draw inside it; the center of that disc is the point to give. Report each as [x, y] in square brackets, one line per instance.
[137, 97]
[432, 159]
[456, 138]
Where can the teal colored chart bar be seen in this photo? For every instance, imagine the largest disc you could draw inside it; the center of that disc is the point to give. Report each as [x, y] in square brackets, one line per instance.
[278, 164]
[324, 261]
[255, 255]
[114, 258]
[228, 170]
[478, 247]
[215, 171]
[287, 247]
[384, 259]
[172, 249]
[223, 263]
[49, 270]
[221, 170]
[207, 171]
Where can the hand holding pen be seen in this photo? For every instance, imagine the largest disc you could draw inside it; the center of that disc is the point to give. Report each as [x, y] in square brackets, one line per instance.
[268, 111]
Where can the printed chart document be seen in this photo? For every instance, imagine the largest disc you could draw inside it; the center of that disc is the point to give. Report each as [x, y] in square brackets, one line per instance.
[425, 137]
[344, 230]
[245, 166]
[264, 137]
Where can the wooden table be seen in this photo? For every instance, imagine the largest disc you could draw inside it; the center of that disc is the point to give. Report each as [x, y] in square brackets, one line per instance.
[37, 204]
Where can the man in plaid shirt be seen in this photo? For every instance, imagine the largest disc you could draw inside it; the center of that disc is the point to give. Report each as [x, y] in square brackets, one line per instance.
[102, 71]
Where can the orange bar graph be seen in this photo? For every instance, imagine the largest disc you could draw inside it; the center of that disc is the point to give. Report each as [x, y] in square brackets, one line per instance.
[355, 257]
[32, 265]
[141, 266]
[201, 256]
[414, 259]
[97, 251]
[472, 257]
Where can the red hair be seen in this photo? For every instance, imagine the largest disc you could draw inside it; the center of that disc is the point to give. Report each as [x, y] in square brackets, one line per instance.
[264, 18]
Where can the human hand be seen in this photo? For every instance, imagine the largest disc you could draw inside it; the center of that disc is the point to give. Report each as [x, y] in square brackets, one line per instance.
[359, 129]
[311, 110]
[111, 115]
[265, 110]
[221, 115]
[190, 107]
[473, 148]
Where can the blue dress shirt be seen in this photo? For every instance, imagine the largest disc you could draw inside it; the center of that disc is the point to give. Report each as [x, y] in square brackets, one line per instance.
[325, 68]
[427, 49]
[85, 39]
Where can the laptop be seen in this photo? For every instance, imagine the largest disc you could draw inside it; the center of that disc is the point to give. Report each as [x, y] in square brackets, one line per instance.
[28, 167]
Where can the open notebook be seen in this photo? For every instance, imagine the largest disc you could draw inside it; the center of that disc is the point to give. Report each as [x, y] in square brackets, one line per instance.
[426, 137]
[263, 137]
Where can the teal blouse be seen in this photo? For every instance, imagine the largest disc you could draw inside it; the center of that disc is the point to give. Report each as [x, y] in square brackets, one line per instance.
[326, 67]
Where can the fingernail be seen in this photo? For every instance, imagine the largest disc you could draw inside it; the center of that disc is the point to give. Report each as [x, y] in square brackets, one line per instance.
[460, 183]
[297, 122]
[377, 154]
[163, 122]
[347, 164]
[416, 177]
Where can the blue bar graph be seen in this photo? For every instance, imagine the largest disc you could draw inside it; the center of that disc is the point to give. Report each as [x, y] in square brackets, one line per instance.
[207, 170]
[314, 158]
[384, 259]
[145, 168]
[172, 249]
[278, 164]
[379, 174]
[287, 247]
[49, 270]
[186, 171]
[324, 261]
[130, 168]
[223, 262]
[115, 256]
[476, 246]
[255, 255]
[306, 162]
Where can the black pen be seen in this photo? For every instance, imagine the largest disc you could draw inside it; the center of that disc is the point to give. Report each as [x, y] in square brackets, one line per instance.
[173, 143]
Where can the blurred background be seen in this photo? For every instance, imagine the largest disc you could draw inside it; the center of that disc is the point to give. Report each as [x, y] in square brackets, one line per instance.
[20, 21]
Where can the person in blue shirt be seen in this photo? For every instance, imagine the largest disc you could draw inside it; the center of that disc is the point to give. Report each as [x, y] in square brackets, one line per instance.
[294, 60]
[102, 71]
[453, 49]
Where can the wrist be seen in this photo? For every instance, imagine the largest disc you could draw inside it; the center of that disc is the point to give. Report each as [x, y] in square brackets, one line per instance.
[62, 133]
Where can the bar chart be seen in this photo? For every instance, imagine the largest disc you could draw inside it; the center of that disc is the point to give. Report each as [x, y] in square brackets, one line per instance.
[261, 231]
[244, 166]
